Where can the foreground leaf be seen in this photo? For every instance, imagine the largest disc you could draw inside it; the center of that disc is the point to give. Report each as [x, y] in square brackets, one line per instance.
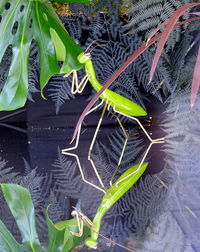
[21, 22]
[59, 237]
[55, 236]
[8, 240]
[19, 201]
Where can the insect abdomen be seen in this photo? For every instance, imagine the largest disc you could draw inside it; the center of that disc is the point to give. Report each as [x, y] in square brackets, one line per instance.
[123, 104]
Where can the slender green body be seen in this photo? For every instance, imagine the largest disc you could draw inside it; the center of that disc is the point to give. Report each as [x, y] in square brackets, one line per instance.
[120, 103]
[127, 107]
[113, 194]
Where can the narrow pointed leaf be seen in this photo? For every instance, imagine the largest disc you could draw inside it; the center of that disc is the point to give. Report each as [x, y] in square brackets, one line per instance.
[166, 22]
[195, 13]
[55, 236]
[8, 240]
[195, 80]
[19, 201]
[23, 21]
[165, 34]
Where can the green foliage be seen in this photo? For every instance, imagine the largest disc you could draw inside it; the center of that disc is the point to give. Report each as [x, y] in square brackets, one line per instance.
[20, 203]
[21, 22]
[74, 1]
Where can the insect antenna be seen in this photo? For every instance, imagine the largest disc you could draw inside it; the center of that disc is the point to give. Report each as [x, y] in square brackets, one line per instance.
[97, 45]
[92, 44]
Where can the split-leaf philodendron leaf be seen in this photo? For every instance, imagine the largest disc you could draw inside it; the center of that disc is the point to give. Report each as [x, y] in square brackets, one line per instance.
[21, 22]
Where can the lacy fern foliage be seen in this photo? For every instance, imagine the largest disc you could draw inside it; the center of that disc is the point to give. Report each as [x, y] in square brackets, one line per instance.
[148, 14]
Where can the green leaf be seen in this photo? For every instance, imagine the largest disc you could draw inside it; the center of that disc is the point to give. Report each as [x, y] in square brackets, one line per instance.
[19, 201]
[70, 239]
[7, 239]
[74, 1]
[23, 21]
[59, 237]
[55, 236]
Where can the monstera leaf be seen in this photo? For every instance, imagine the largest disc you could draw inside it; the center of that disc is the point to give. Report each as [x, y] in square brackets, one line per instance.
[21, 22]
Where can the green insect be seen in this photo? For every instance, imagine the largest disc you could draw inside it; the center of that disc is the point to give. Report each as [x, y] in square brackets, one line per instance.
[113, 99]
[113, 194]
[115, 104]
[118, 103]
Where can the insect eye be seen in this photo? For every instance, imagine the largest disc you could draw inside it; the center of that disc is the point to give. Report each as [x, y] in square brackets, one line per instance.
[88, 55]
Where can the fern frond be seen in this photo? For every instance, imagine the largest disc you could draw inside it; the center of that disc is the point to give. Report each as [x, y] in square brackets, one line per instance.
[63, 172]
[73, 25]
[7, 174]
[182, 154]
[148, 14]
[181, 119]
[96, 24]
[33, 80]
[59, 90]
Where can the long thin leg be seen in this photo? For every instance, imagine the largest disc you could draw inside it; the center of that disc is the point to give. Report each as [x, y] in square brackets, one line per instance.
[124, 146]
[92, 144]
[12, 114]
[78, 135]
[83, 83]
[77, 87]
[67, 152]
[80, 218]
[152, 141]
[159, 140]
[141, 163]
[13, 127]
[80, 225]
[74, 86]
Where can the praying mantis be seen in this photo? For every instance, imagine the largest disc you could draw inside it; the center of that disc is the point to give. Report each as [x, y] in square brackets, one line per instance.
[114, 193]
[118, 103]
[122, 106]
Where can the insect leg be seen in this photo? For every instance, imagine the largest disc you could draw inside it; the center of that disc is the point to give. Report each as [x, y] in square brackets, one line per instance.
[79, 223]
[74, 87]
[141, 163]
[124, 146]
[80, 218]
[67, 152]
[82, 84]
[92, 144]
[160, 140]
[155, 141]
